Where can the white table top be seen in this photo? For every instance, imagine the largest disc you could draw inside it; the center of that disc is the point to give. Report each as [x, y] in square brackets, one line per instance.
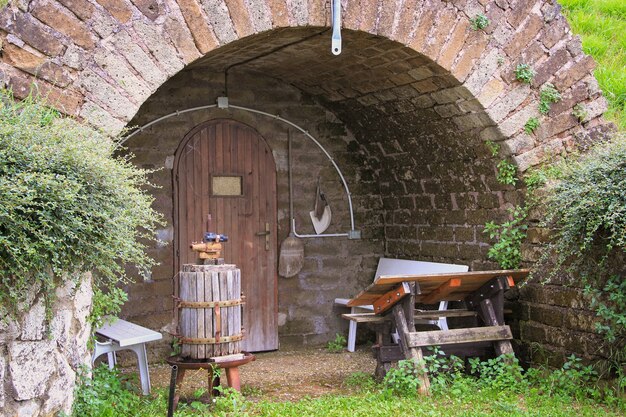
[126, 333]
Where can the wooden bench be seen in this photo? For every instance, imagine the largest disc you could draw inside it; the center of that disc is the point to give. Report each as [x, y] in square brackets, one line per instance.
[393, 299]
[123, 335]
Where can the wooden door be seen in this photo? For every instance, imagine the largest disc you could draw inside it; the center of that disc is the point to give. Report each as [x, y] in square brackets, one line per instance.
[225, 168]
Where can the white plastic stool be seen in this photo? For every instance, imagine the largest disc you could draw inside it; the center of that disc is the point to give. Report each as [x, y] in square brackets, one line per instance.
[123, 335]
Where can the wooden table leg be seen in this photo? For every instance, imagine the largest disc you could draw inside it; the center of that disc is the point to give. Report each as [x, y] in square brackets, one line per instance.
[179, 381]
[232, 375]
[410, 353]
[383, 338]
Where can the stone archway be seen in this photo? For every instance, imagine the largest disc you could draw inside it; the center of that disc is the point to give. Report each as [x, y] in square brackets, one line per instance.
[414, 80]
[102, 60]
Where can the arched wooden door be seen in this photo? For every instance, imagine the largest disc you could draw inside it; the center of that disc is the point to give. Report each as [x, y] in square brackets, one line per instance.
[225, 168]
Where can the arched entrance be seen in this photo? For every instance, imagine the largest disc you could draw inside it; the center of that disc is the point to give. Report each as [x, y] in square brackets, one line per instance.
[225, 168]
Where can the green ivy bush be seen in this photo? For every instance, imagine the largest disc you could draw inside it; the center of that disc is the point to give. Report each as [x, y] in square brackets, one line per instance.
[585, 204]
[67, 205]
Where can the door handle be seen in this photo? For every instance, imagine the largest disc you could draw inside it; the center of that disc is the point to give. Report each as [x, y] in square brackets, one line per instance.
[265, 233]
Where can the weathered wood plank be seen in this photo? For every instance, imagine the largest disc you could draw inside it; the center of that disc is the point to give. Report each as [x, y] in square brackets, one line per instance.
[418, 315]
[184, 314]
[470, 282]
[441, 291]
[410, 352]
[388, 300]
[200, 313]
[469, 335]
[208, 312]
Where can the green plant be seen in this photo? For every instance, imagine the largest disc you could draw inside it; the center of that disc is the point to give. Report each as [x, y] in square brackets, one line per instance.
[67, 205]
[506, 173]
[500, 60]
[106, 393]
[548, 95]
[480, 21]
[510, 234]
[585, 206]
[337, 345]
[502, 372]
[580, 112]
[404, 379]
[531, 125]
[360, 380]
[494, 148]
[524, 73]
[442, 370]
[229, 402]
[610, 306]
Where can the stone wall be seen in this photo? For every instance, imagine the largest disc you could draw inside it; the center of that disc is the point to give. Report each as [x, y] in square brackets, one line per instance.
[39, 360]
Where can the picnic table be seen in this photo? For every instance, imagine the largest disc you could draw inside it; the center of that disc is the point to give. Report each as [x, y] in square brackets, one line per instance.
[394, 299]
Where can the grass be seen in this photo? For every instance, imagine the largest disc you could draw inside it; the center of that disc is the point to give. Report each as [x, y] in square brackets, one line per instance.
[497, 387]
[602, 26]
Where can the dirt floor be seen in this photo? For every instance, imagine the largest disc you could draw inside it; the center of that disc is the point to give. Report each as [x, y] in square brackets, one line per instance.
[285, 375]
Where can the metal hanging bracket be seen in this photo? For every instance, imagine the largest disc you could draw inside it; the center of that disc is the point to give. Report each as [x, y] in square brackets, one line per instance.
[335, 47]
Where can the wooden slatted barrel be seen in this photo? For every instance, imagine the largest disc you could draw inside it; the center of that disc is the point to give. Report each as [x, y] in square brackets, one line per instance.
[209, 305]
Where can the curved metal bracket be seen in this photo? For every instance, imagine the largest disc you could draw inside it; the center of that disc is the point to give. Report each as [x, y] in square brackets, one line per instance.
[222, 102]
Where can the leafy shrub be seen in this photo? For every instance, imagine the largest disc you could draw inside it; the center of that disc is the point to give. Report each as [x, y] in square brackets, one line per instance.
[548, 95]
[580, 112]
[506, 173]
[524, 73]
[503, 372]
[67, 205]
[531, 125]
[404, 379]
[337, 345]
[105, 394]
[585, 204]
[493, 147]
[442, 371]
[510, 234]
[479, 22]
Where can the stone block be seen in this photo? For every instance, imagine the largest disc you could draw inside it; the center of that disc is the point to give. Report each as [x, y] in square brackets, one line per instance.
[34, 322]
[474, 48]
[150, 8]
[119, 9]
[520, 143]
[81, 8]
[183, 39]
[524, 34]
[464, 234]
[160, 47]
[516, 121]
[101, 119]
[28, 377]
[551, 316]
[30, 31]
[455, 43]
[509, 102]
[56, 17]
[138, 58]
[102, 91]
[569, 75]
[114, 65]
[221, 28]
[547, 70]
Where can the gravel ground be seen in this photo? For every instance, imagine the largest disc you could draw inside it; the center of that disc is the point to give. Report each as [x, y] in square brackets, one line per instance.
[285, 375]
